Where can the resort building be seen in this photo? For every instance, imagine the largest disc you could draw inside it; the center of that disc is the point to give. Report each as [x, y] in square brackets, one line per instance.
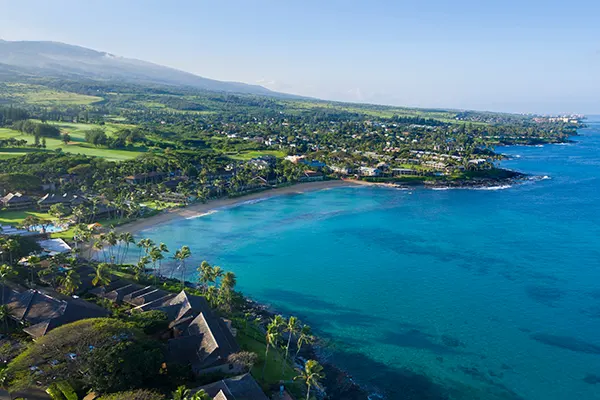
[369, 171]
[242, 387]
[41, 313]
[197, 336]
[311, 176]
[150, 177]
[17, 201]
[404, 171]
[68, 200]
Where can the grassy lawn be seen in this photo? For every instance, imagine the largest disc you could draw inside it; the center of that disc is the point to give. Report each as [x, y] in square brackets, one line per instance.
[247, 155]
[43, 96]
[16, 217]
[252, 340]
[77, 146]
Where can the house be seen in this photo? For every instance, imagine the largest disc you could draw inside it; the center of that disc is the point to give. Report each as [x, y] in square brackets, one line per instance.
[313, 164]
[369, 171]
[311, 176]
[199, 337]
[149, 177]
[68, 200]
[175, 197]
[242, 387]
[404, 171]
[340, 170]
[17, 201]
[222, 175]
[42, 313]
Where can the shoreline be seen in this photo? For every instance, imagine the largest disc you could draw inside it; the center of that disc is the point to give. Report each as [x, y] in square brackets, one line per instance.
[195, 210]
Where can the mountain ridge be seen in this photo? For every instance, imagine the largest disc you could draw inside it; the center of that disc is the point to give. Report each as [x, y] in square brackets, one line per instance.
[62, 60]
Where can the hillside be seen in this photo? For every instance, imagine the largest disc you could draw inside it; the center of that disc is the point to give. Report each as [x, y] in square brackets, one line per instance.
[59, 60]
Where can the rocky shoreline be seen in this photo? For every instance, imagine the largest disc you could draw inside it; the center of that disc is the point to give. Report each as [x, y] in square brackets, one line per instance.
[338, 384]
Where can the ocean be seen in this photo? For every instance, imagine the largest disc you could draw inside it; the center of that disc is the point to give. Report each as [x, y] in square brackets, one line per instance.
[434, 294]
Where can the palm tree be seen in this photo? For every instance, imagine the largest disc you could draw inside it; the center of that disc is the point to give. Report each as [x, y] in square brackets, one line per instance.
[101, 276]
[305, 337]
[311, 375]
[292, 328]
[127, 238]
[272, 338]
[181, 255]
[112, 240]
[181, 393]
[70, 282]
[227, 285]
[205, 275]
[99, 246]
[140, 268]
[217, 272]
[155, 255]
[200, 395]
[33, 262]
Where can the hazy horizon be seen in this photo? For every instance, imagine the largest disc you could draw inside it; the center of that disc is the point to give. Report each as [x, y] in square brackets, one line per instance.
[535, 58]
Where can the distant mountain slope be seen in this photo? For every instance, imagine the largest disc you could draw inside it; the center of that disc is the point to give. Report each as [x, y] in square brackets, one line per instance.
[59, 60]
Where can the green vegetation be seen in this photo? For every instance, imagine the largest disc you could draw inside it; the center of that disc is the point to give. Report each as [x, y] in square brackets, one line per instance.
[15, 218]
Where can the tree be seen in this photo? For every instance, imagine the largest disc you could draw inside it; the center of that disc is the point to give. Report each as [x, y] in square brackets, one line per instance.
[70, 282]
[204, 275]
[33, 262]
[305, 337]
[181, 393]
[227, 285]
[101, 275]
[58, 211]
[311, 375]
[181, 255]
[127, 239]
[292, 328]
[66, 138]
[272, 338]
[103, 354]
[246, 359]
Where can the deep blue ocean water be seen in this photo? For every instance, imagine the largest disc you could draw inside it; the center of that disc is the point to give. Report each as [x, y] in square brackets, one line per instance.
[465, 294]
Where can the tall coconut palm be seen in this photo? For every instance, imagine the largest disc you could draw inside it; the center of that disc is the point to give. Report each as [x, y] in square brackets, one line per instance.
[305, 337]
[127, 239]
[272, 338]
[217, 272]
[33, 262]
[311, 375]
[112, 239]
[181, 255]
[140, 268]
[204, 275]
[292, 328]
[156, 255]
[227, 285]
[70, 282]
[101, 275]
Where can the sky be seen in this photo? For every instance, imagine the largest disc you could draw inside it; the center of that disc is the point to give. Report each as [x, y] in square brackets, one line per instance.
[515, 56]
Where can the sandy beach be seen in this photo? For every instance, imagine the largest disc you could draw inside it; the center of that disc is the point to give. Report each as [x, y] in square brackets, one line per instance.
[197, 209]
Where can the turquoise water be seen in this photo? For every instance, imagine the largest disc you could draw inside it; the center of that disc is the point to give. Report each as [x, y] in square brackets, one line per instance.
[423, 294]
